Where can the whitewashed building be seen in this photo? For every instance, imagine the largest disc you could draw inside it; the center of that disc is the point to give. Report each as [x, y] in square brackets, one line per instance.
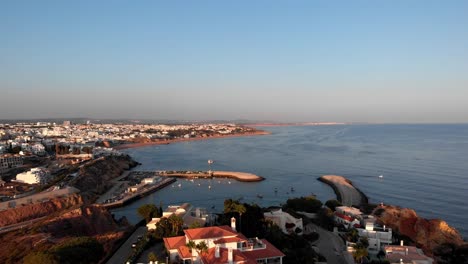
[225, 245]
[377, 236]
[288, 223]
[34, 176]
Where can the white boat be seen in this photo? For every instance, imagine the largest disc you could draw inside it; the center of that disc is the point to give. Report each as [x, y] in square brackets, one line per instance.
[381, 177]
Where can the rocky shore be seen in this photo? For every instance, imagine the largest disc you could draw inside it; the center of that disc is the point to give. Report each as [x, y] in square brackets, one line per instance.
[428, 234]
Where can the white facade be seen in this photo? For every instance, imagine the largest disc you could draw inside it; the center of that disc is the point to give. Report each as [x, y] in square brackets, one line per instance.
[285, 221]
[185, 211]
[34, 176]
[38, 149]
[10, 161]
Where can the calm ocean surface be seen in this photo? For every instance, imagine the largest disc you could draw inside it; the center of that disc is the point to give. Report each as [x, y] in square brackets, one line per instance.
[425, 167]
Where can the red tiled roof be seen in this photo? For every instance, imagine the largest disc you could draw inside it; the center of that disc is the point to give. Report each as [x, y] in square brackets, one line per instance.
[345, 217]
[174, 242]
[269, 252]
[237, 256]
[210, 232]
[239, 238]
[184, 252]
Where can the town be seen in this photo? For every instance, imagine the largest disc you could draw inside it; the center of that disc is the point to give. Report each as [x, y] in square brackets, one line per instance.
[57, 179]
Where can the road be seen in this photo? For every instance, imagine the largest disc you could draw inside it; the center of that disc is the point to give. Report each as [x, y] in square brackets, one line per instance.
[330, 245]
[121, 255]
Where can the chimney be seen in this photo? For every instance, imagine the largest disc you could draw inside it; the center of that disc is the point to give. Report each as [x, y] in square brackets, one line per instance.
[217, 251]
[230, 256]
[233, 224]
[401, 242]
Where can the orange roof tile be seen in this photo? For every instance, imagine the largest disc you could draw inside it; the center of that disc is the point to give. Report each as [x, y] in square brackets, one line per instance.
[174, 242]
[210, 232]
[269, 252]
[237, 255]
[184, 252]
[229, 240]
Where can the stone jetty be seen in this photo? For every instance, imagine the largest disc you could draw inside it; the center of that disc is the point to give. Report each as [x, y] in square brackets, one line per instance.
[345, 192]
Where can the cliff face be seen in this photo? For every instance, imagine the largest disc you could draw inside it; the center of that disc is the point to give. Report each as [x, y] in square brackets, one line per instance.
[427, 234]
[83, 221]
[91, 221]
[94, 177]
[32, 211]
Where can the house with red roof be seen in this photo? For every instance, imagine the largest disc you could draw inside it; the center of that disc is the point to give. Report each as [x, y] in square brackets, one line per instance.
[225, 246]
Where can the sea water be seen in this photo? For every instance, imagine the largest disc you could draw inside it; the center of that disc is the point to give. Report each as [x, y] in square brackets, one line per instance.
[424, 167]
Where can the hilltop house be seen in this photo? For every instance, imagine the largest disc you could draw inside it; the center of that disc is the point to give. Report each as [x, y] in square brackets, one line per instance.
[225, 245]
[185, 211]
[288, 223]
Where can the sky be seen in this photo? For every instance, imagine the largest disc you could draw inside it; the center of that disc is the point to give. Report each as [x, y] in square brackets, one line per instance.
[286, 61]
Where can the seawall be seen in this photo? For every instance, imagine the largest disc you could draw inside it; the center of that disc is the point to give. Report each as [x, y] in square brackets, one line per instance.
[345, 191]
[240, 176]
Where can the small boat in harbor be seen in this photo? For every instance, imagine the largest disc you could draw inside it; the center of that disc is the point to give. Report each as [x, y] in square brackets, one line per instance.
[381, 177]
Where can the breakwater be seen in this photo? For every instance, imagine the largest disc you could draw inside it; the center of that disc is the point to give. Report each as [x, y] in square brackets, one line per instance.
[240, 176]
[345, 191]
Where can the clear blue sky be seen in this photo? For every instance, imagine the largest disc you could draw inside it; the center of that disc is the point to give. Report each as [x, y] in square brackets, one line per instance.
[351, 61]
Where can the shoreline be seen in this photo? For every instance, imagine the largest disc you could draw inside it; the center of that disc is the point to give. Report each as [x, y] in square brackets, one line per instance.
[169, 141]
[345, 191]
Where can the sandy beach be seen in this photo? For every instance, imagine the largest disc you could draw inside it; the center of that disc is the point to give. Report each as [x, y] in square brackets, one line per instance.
[169, 141]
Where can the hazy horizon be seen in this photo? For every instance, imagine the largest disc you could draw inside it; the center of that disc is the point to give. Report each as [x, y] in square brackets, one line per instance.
[301, 61]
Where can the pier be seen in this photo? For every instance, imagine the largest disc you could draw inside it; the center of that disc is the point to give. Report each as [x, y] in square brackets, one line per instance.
[139, 194]
[240, 176]
[345, 191]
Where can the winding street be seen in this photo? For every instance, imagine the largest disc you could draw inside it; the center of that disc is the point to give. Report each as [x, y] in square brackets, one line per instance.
[330, 245]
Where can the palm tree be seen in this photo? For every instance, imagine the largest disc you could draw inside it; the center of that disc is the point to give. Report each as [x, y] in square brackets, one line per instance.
[176, 223]
[191, 245]
[240, 208]
[200, 248]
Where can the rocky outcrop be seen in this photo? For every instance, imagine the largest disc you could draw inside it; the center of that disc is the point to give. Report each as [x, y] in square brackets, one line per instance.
[428, 234]
[33, 211]
[83, 221]
[95, 177]
[93, 221]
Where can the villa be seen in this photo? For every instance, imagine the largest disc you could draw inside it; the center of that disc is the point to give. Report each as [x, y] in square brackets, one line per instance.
[185, 211]
[288, 223]
[225, 245]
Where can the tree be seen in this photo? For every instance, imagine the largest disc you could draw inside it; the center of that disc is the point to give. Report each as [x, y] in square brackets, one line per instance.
[234, 206]
[195, 225]
[176, 223]
[308, 204]
[360, 250]
[79, 250]
[147, 211]
[200, 248]
[152, 257]
[332, 204]
[40, 257]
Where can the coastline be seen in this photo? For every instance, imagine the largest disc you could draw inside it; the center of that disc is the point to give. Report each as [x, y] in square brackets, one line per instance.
[169, 141]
